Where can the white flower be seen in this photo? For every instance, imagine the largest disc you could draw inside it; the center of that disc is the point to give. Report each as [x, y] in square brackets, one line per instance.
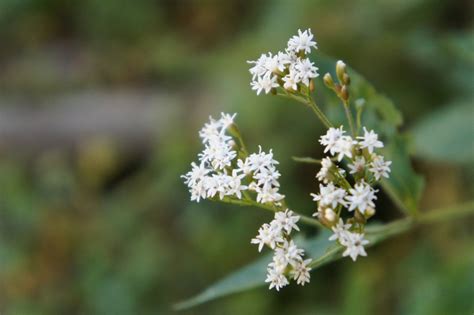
[300, 272]
[227, 120]
[244, 166]
[265, 83]
[291, 81]
[268, 194]
[370, 140]
[329, 214]
[258, 161]
[379, 167]
[268, 235]
[305, 70]
[234, 185]
[197, 173]
[323, 173]
[276, 279]
[340, 231]
[361, 197]
[258, 70]
[287, 220]
[354, 243]
[198, 191]
[358, 165]
[302, 42]
[331, 138]
[287, 254]
[330, 195]
[344, 147]
[275, 64]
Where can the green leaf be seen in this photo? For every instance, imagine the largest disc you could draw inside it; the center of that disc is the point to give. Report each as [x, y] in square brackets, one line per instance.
[319, 248]
[447, 134]
[254, 274]
[404, 186]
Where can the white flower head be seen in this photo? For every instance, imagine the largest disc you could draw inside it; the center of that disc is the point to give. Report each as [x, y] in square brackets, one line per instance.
[354, 243]
[361, 197]
[287, 220]
[264, 83]
[340, 231]
[276, 279]
[305, 71]
[370, 140]
[300, 272]
[330, 195]
[379, 167]
[358, 165]
[302, 42]
[268, 235]
[331, 138]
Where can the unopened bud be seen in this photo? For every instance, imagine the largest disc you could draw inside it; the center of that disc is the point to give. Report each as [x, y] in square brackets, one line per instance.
[344, 93]
[340, 70]
[328, 80]
[311, 85]
[359, 217]
[369, 212]
[346, 79]
[330, 215]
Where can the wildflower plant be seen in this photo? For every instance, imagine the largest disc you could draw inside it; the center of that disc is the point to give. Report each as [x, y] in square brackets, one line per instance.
[356, 166]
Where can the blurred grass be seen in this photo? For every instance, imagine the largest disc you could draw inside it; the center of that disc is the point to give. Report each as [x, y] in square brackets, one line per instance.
[95, 228]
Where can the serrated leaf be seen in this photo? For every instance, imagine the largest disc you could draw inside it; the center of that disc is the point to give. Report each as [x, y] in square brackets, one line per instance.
[447, 134]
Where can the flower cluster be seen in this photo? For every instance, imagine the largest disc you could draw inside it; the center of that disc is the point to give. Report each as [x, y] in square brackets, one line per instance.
[288, 261]
[225, 171]
[336, 193]
[288, 69]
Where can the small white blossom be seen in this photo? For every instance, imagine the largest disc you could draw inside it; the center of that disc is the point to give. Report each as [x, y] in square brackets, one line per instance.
[344, 147]
[305, 71]
[330, 195]
[340, 231]
[361, 197]
[302, 42]
[358, 165]
[259, 69]
[379, 167]
[287, 220]
[370, 140]
[300, 272]
[323, 173]
[291, 81]
[264, 83]
[331, 138]
[354, 243]
[276, 279]
[268, 235]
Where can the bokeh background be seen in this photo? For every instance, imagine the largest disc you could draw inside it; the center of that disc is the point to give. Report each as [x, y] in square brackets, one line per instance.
[100, 104]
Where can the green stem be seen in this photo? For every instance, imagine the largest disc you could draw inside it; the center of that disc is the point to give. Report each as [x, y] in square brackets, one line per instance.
[249, 202]
[349, 117]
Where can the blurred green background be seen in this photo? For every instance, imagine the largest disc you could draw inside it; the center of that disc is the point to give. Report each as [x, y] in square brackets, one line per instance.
[100, 104]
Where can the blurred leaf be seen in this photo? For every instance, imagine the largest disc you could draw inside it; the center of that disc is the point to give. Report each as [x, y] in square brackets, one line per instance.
[447, 134]
[404, 186]
[319, 248]
[252, 275]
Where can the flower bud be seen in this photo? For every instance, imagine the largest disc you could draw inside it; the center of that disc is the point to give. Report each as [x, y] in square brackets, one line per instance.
[346, 79]
[328, 80]
[344, 93]
[311, 85]
[369, 212]
[359, 217]
[330, 215]
[340, 70]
